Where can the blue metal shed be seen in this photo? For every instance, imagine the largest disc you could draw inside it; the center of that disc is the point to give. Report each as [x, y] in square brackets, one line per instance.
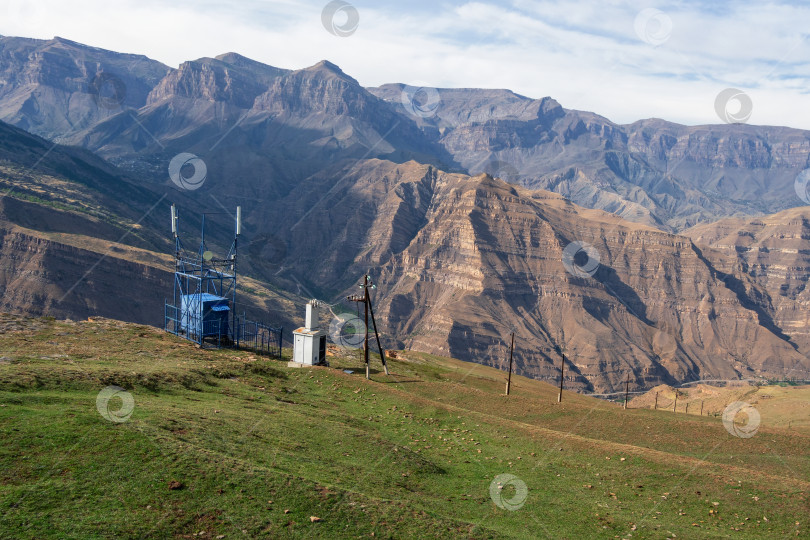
[205, 314]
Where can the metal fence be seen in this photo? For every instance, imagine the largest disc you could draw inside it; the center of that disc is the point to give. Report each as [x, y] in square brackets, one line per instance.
[193, 328]
[261, 338]
[171, 320]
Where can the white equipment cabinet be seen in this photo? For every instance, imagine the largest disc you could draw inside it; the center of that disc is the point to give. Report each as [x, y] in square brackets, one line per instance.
[309, 342]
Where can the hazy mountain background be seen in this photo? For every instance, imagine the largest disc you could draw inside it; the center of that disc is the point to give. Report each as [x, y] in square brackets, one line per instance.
[460, 202]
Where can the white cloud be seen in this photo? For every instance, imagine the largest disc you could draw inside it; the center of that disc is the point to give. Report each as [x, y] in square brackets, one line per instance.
[585, 54]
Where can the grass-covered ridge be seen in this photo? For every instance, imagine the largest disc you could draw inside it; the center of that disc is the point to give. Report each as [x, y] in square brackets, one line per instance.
[254, 448]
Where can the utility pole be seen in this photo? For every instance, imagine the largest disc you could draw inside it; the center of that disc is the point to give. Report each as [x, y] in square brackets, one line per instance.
[675, 407]
[626, 391]
[365, 304]
[376, 334]
[366, 299]
[656, 401]
[562, 375]
[509, 377]
[701, 408]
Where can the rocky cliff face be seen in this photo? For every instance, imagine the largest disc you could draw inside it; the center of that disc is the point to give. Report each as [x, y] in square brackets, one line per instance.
[42, 277]
[228, 78]
[464, 260]
[774, 252]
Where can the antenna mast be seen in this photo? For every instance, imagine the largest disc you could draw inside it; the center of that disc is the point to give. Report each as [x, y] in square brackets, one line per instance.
[204, 301]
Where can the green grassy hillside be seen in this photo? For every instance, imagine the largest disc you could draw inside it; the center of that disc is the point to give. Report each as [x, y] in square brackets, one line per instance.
[221, 444]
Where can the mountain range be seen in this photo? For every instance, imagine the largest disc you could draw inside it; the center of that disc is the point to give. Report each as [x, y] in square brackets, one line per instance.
[642, 250]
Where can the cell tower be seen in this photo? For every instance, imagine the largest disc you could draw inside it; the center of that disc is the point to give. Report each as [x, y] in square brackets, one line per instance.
[203, 309]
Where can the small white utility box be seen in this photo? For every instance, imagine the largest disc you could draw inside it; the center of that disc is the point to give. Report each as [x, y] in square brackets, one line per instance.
[309, 342]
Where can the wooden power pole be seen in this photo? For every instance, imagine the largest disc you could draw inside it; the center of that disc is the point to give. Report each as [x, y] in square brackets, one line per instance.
[509, 377]
[367, 307]
[626, 390]
[656, 401]
[562, 375]
[376, 334]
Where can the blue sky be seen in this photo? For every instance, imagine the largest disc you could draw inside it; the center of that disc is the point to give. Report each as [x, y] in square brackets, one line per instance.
[625, 60]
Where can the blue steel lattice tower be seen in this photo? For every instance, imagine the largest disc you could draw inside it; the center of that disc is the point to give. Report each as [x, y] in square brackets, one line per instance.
[203, 309]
